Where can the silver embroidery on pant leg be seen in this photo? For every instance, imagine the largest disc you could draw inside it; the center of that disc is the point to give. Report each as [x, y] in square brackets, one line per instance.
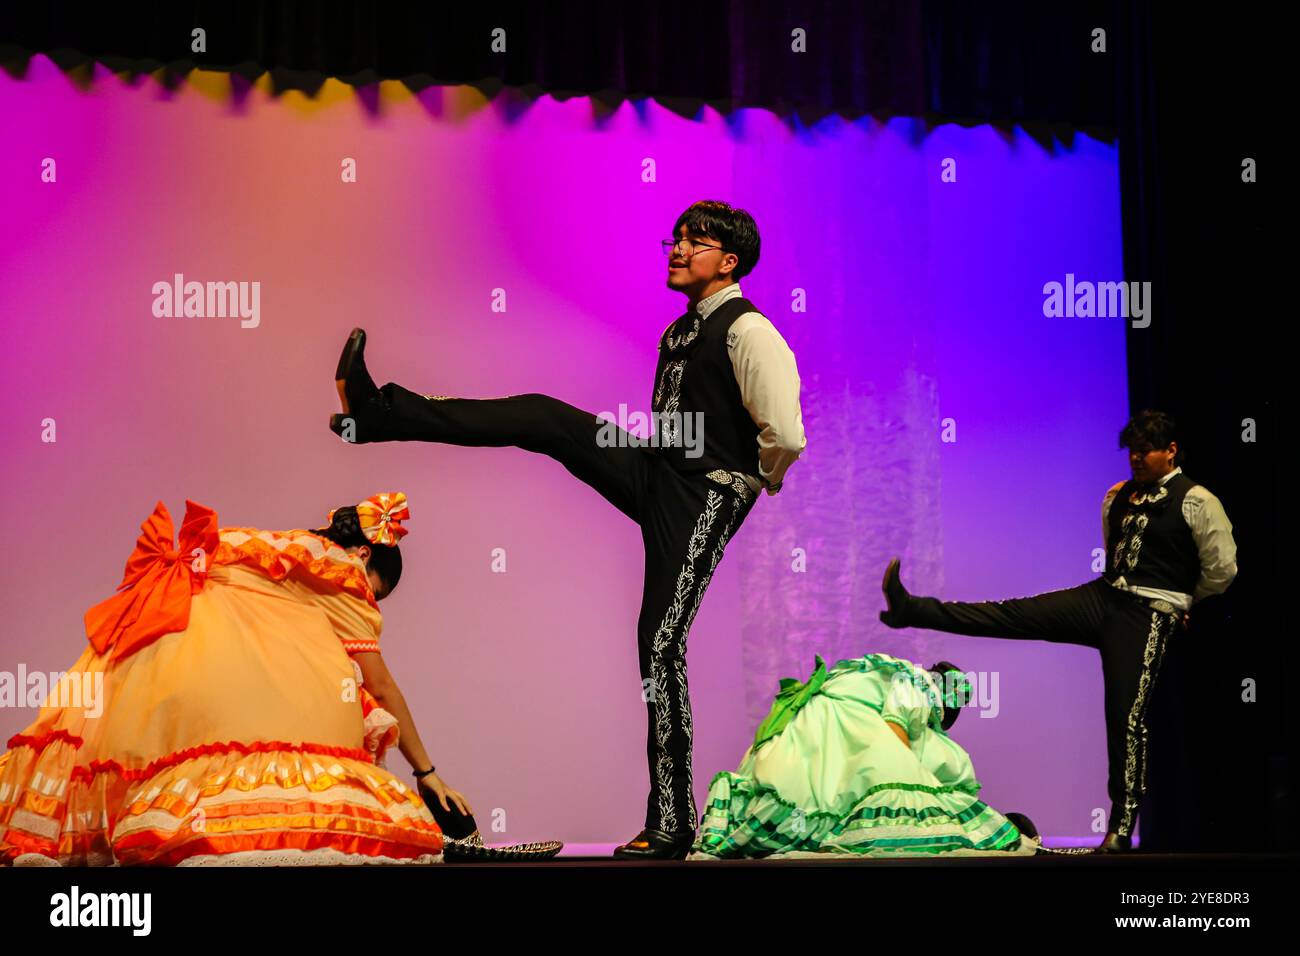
[684, 718]
[663, 762]
[684, 706]
[663, 718]
[1135, 740]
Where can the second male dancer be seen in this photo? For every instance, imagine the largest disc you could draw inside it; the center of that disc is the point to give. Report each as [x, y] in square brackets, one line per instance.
[722, 366]
[1168, 544]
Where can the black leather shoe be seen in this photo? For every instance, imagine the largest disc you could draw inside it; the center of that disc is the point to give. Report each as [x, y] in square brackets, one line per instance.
[896, 596]
[656, 845]
[1115, 843]
[363, 404]
[353, 381]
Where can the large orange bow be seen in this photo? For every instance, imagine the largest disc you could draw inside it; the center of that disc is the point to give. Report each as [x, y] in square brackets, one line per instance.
[159, 581]
[381, 517]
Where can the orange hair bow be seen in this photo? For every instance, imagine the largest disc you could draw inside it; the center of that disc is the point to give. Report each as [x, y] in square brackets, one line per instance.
[381, 517]
[154, 596]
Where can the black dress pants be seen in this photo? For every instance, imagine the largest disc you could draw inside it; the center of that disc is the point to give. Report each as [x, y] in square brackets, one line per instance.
[1130, 632]
[686, 521]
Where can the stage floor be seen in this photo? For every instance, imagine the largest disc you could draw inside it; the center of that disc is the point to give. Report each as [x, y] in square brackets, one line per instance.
[600, 854]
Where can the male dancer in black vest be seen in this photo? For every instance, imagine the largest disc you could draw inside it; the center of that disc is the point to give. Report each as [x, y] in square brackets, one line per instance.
[1168, 544]
[727, 425]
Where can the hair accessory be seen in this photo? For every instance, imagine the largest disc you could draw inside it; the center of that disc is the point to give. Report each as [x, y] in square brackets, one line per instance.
[381, 517]
[955, 688]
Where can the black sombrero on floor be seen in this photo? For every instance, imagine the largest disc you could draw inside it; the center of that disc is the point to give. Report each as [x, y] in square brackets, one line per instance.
[462, 842]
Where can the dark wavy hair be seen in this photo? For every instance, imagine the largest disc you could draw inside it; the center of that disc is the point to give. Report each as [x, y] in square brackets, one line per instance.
[385, 559]
[1150, 427]
[734, 229]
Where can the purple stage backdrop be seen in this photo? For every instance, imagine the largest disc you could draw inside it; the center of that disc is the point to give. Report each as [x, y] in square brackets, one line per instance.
[948, 419]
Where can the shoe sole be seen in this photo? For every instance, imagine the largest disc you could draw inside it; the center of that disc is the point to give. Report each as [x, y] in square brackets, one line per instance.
[891, 568]
[356, 341]
[620, 854]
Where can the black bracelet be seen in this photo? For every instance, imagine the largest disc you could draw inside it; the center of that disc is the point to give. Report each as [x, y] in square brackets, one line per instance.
[424, 773]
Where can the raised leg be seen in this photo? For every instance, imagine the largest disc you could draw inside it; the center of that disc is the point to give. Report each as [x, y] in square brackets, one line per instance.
[593, 450]
[1070, 616]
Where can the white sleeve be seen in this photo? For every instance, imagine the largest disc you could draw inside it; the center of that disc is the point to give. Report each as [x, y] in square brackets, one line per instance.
[769, 387]
[1212, 532]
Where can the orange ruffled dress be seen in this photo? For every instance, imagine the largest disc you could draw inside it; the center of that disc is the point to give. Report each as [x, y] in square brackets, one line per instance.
[232, 726]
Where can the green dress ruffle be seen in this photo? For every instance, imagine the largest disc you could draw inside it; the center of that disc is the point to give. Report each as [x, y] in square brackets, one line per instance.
[827, 775]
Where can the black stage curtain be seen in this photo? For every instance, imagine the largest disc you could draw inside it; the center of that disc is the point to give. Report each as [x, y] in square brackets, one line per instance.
[1193, 97]
[1003, 62]
[1185, 95]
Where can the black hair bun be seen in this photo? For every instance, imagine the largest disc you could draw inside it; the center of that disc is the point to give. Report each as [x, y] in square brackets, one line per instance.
[345, 528]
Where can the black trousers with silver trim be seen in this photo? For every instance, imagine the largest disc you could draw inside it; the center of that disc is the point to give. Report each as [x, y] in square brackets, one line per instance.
[686, 522]
[1131, 634]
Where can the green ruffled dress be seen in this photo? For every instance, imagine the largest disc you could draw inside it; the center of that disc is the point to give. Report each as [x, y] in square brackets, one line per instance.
[827, 775]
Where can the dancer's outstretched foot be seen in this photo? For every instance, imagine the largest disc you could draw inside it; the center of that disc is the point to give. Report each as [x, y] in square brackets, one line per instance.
[362, 401]
[896, 596]
[351, 378]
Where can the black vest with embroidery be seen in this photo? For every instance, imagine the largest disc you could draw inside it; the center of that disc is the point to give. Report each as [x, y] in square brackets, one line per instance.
[695, 378]
[1149, 541]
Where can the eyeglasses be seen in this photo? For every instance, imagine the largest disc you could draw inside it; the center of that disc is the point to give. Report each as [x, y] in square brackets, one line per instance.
[670, 246]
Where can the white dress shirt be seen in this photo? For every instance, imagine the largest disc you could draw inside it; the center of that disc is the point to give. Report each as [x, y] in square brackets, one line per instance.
[1212, 532]
[769, 388]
